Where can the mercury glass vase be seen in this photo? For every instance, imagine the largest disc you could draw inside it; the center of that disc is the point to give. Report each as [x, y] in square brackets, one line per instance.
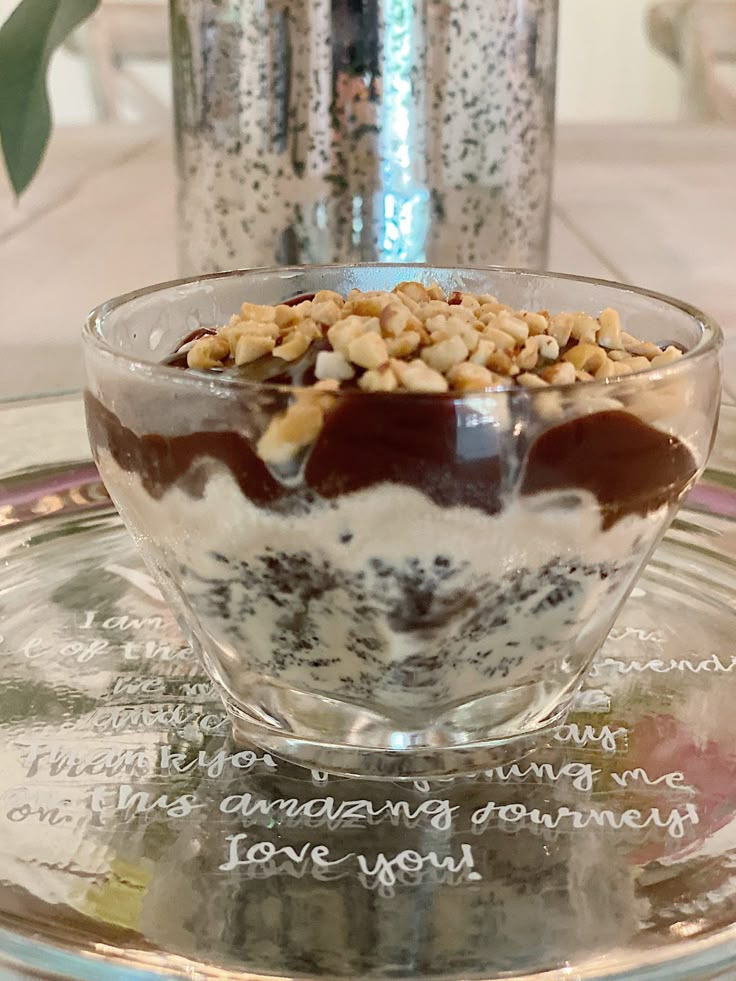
[318, 131]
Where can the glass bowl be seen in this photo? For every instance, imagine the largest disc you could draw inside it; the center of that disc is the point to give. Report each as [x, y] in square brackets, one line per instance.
[422, 588]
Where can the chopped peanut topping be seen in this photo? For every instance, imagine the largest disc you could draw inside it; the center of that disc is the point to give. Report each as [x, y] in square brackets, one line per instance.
[435, 334]
[417, 338]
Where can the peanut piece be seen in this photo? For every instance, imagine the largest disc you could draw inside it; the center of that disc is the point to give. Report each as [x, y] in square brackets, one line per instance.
[468, 301]
[548, 405]
[208, 352]
[435, 308]
[562, 373]
[584, 328]
[380, 379]
[344, 331]
[233, 332]
[547, 347]
[482, 352]
[290, 432]
[255, 311]
[326, 313]
[415, 291]
[609, 335]
[500, 362]
[303, 309]
[326, 384]
[285, 316]
[527, 358]
[560, 327]
[488, 312]
[416, 376]
[251, 347]
[327, 296]
[467, 377]
[412, 306]
[466, 314]
[368, 306]
[407, 343]
[333, 365]
[445, 355]
[250, 327]
[502, 340]
[394, 319]
[310, 330]
[620, 368]
[536, 322]
[586, 357]
[437, 322]
[667, 356]
[368, 350]
[462, 328]
[517, 328]
[531, 381]
[642, 348]
[293, 347]
[455, 327]
[607, 369]
[638, 364]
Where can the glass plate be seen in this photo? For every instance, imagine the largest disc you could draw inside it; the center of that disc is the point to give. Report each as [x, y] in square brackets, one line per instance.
[137, 842]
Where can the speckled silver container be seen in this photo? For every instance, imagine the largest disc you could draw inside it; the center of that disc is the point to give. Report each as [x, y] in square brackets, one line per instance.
[314, 131]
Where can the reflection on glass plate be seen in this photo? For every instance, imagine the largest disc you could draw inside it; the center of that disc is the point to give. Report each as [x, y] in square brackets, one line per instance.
[135, 837]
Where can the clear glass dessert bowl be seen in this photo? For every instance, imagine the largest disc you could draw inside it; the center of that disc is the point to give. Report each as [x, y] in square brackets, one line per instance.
[420, 585]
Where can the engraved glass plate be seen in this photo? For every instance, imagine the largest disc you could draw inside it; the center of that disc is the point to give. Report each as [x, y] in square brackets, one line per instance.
[138, 842]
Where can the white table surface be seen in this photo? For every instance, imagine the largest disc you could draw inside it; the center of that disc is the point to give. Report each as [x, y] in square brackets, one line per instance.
[650, 205]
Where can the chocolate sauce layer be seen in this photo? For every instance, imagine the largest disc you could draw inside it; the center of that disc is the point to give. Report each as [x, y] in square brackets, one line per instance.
[162, 461]
[631, 467]
[434, 445]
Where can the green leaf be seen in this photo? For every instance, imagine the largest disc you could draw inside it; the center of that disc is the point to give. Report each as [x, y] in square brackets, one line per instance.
[28, 38]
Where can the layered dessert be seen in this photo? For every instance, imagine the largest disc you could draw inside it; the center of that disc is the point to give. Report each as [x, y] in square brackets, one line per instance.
[409, 500]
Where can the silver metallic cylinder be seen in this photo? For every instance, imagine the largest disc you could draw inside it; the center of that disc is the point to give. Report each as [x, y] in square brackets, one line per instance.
[313, 131]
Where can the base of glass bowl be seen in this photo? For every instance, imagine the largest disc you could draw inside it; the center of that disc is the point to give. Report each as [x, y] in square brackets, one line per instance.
[422, 753]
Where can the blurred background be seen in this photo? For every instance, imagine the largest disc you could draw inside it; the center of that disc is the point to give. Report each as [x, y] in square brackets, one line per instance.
[645, 169]
[619, 60]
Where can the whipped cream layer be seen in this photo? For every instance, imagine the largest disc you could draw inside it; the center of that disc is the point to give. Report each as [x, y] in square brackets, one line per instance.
[382, 596]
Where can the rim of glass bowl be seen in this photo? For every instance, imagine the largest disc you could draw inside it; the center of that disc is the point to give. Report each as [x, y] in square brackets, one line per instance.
[711, 336]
